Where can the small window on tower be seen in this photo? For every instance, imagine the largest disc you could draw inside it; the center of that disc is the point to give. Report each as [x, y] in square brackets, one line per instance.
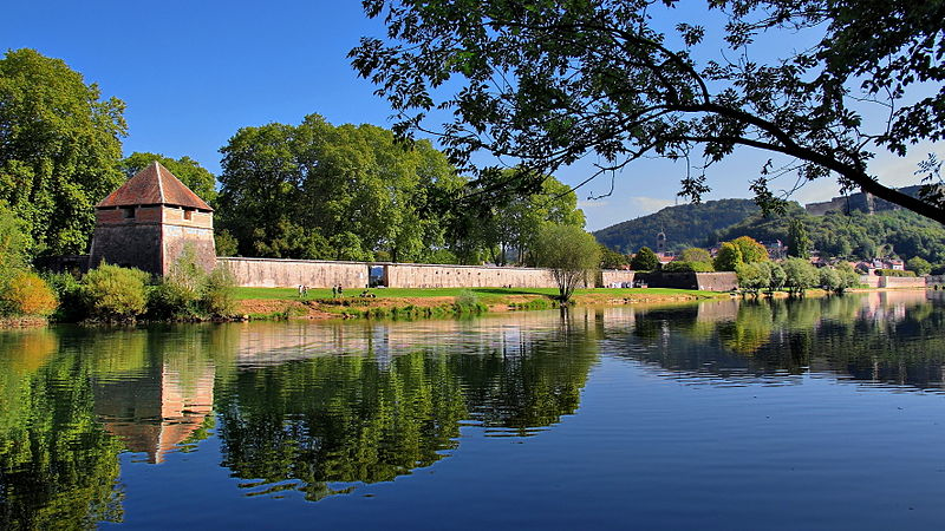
[188, 214]
[129, 212]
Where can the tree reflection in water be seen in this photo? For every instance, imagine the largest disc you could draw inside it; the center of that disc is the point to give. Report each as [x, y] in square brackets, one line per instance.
[891, 338]
[326, 424]
[322, 408]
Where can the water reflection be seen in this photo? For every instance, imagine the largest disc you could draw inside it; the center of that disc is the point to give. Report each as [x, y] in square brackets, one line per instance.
[888, 339]
[323, 408]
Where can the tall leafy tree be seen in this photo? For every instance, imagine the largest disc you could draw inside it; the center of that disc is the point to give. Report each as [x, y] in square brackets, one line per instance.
[549, 82]
[798, 240]
[320, 191]
[751, 250]
[729, 257]
[645, 260]
[59, 148]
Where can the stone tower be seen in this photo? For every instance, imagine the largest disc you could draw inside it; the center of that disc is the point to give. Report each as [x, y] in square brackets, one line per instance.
[661, 243]
[149, 220]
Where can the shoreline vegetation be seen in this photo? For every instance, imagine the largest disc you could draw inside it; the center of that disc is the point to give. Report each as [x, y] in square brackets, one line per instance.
[275, 304]
[284, 303]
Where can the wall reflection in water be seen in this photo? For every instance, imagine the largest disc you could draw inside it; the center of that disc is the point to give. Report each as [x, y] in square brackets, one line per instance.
[323, 407]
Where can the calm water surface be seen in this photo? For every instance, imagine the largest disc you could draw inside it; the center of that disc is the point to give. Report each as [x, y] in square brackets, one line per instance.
[823, 413]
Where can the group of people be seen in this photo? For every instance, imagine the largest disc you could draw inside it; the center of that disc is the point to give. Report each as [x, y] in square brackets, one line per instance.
[336, 291]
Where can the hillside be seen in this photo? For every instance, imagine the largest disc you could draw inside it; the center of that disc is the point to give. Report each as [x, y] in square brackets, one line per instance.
[857, 235]
[684, 225]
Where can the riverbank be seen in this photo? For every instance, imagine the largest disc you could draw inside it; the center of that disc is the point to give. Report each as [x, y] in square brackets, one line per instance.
[282, 303]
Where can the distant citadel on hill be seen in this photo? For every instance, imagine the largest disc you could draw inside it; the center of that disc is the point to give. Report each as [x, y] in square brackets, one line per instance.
[859, 201]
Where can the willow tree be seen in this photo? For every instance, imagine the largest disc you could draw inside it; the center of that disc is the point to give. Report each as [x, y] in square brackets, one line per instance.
[571, 254]
[547, 82]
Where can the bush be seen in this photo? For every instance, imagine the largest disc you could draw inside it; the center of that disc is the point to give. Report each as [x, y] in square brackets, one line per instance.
[894, 273]
[218, 297]
[68, 290]
[468, 303]
[14, 245]
[114, 293]
[28, 294]
[694, 267]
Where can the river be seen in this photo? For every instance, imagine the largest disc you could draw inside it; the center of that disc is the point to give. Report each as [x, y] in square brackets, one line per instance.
[822, 413]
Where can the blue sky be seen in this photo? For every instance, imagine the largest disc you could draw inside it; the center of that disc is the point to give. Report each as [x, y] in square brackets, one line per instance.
[192, 73]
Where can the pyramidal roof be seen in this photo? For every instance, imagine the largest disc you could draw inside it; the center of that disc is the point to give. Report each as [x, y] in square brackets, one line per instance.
[154, 185]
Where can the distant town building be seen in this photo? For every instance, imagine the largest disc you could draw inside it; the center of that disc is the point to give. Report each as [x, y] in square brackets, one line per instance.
[776, 249]
[149, 221]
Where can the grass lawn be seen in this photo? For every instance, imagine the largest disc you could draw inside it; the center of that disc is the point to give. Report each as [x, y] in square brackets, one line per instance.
[486, 295]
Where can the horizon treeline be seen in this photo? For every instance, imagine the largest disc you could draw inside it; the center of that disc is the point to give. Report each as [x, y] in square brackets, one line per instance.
[312, 190]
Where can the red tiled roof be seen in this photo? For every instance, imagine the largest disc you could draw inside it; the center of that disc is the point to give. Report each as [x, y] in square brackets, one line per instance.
[154, 185]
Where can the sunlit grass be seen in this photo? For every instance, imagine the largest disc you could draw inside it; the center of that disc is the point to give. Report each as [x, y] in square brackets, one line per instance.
[486, 295]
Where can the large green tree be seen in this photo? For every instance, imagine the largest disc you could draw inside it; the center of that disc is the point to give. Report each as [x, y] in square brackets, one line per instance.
[188, 170]
[507, 229]
[320, 191]
[59, 149]
[551, 81]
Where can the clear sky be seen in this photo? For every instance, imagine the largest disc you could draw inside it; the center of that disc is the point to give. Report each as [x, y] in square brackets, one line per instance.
[192, 73]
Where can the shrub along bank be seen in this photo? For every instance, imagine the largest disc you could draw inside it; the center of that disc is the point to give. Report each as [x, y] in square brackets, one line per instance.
[110, 293]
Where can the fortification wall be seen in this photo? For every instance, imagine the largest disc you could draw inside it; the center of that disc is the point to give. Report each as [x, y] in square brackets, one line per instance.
[875, 281]
[617, 278]
[454, 276]
[719, 281]
[902, 282]
[281, 273]
[938, 280]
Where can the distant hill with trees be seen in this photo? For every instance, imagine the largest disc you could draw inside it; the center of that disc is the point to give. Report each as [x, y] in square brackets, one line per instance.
[853, 236]
[688, 225]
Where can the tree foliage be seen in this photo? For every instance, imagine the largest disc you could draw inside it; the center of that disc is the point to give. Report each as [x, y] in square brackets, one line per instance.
[730, 255]
[320, 191]
[798, 241]
[753, 277]
[919, 265]
[751, 250]
[549, 82]
[645, 260]
[59, 149]
[570, 253]
[800, 275]
[612, 259]
[695, 254]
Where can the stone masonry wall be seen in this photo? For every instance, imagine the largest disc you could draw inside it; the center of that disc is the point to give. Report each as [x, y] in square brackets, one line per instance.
[453, 276]
[280, 273]
[902, 282]
[612, 277]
